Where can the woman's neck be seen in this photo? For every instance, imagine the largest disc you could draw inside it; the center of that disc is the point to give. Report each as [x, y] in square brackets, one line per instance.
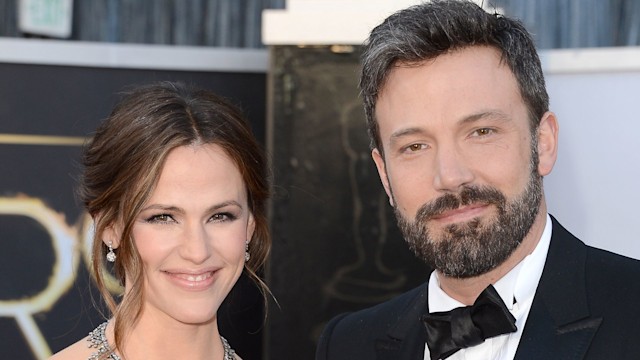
[161, 337]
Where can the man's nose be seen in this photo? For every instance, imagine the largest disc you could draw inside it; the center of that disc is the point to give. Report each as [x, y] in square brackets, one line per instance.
[452, 170]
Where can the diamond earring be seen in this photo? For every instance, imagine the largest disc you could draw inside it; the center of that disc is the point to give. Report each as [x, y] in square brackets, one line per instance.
[247, 256]
[111, 256]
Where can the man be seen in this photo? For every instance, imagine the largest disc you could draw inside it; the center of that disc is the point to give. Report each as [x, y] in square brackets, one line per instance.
[458, 115]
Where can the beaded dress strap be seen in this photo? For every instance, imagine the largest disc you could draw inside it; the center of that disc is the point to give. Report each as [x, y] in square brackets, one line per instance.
[98, 340]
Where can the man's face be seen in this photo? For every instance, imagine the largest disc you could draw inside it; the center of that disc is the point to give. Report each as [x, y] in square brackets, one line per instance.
[460, 165]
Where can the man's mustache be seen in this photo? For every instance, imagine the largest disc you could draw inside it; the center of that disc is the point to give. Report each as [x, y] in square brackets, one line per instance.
[467, 196]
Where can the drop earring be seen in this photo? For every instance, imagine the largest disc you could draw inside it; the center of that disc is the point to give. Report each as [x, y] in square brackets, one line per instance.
[111, 256]
[247, 256]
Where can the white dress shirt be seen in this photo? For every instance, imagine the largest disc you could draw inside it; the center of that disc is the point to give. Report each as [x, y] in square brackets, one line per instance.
[520, 284]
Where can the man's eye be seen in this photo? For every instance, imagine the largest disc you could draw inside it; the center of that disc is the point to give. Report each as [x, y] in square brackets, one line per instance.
[483, 132]
[415, 147]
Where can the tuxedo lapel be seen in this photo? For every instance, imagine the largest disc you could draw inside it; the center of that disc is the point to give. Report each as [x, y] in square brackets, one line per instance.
[559, 325]
[406, 339]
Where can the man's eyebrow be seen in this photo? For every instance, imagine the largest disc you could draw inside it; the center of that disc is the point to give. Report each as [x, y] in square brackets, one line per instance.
[487, 114]
[405, 132]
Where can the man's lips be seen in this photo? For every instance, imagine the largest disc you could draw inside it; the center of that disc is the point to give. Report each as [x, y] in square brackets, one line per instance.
[462, 213]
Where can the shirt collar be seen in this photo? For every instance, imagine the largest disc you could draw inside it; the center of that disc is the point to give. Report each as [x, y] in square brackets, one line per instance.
[520, 283]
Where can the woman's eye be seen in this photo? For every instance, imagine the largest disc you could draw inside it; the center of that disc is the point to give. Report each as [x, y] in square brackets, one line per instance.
[219, 217]
[160, 218]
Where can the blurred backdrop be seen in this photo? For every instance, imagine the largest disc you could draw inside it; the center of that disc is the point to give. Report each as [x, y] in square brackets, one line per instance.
[237, 23]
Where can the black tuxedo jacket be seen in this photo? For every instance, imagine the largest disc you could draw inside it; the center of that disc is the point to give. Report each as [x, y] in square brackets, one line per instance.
[587, 306]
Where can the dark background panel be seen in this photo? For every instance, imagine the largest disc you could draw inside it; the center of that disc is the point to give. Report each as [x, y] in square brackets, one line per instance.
[70, 101]
[337, 247]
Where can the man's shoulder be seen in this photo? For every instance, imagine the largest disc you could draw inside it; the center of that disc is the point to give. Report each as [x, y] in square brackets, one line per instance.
[611, 270]
[387, 313]
[599, 260]
[605, 275]
[355, 333]
[612, 260]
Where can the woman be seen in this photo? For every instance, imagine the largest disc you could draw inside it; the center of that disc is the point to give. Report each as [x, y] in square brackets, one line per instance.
[175, 183]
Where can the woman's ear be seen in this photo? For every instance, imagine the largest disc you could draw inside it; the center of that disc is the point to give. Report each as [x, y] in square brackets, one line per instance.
[111, 236]
[251, 228]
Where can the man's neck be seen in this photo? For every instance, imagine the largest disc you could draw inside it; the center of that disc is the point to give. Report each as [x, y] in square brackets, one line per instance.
[467, 290]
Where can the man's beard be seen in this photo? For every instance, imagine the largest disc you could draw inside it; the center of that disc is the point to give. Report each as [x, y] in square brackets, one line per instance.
[475, 247]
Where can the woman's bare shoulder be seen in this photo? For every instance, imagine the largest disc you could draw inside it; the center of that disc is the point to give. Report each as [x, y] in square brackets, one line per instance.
[77, 351]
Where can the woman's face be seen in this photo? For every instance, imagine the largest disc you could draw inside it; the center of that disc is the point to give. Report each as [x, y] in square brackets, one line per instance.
[191, 234]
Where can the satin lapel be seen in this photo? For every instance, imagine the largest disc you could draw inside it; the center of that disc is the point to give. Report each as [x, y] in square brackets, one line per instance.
[559, 325]
[406, 339]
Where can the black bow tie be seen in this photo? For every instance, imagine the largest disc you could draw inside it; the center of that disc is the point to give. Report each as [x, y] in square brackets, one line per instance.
[463, 327]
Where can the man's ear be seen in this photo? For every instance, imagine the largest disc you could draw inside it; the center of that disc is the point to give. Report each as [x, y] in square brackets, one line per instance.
[382, 172]
[547, 143]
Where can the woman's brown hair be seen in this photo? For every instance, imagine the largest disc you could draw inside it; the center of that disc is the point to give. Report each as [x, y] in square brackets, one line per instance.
[124, 159]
